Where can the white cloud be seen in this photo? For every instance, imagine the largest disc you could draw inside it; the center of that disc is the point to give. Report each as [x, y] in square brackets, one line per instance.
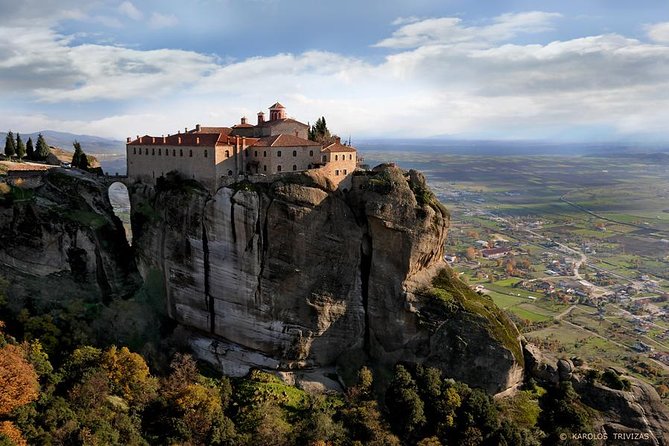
[130, 10]
[658, 32]
[158, 21]
[449, 30]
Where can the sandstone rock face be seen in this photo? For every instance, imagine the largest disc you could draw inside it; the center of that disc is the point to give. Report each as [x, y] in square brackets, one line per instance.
[62, 238]
[295, 273]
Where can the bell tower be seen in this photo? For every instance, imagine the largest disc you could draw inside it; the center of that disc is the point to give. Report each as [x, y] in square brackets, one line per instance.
[277, 111]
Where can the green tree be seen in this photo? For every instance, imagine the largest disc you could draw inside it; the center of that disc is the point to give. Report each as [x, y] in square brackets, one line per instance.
[30, 149]
[20, 147]
[319, 132]
[42, 149]
[78, 154]
[406, 409]
[10, 145]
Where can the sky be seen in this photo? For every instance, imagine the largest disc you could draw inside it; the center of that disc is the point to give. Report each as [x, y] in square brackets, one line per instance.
[594, 70]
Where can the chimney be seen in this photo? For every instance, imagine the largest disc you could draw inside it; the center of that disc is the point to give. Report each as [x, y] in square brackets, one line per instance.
[261, 117]
[197, 141]
[179, 140]
[185, 129]
[197, 127]
[127, 140]
[153, 140]
[243, 142]
[243, 119]
[178, 132]
[140, 139]
[164, 140]
[338, 140]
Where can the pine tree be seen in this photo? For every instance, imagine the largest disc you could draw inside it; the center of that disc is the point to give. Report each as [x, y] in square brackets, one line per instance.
[76, 158]
[20, 147]
[83, 161]
[10, 145]
[30, 150]
[42, 149]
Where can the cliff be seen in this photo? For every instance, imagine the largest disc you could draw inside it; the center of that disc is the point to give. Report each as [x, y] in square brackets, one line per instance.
[288, 273]
[59, 238]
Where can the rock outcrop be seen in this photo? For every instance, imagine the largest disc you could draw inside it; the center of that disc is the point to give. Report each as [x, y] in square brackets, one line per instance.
[60, 238]
[288, 273]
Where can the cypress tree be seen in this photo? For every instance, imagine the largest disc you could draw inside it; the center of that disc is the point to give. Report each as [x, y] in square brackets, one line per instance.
[20, 147]
[30, 150]
[83, 161]
[10, 145]
[42, 149]
[76, 158]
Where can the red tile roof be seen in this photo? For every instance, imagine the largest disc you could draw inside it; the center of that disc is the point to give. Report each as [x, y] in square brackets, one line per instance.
[237, 126]
[284, 141]
[280, 121]
[277, 105]
[184, 139]
[337, 147]
[224, 130]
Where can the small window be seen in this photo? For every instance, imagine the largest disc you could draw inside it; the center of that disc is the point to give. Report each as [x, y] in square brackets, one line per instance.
[345, 172]
[350, 157]
[255, 153]
[246, 151]
[294, 167]
[264, 168]
[160, 152]
[336, 172]
[181, 152]
[336, 157]
[153, 151]
[146, 151]
[294, 152]
[191, 154]
[325, 158]
[227, 154]
[230, 173]
[278, 153]
[206, 153]
[174, 152]
[264, 153]
[278, 168]
[134, 150]
[311, 153]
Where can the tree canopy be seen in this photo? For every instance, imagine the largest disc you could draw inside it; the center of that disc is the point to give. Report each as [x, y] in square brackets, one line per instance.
[42, 149]
[10, 145]
[20, 147]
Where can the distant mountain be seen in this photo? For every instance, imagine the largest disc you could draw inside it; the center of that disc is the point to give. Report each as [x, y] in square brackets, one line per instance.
[90, 144]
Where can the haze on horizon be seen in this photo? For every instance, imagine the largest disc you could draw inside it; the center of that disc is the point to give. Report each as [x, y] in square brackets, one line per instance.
[574, 71]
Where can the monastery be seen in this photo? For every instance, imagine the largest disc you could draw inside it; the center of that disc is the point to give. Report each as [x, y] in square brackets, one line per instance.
[215, 155]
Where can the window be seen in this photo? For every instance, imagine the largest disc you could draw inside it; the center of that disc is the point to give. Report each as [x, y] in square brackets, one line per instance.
[206, 153]
[345, 172]
[174, 152]
[278, 153]
[191, 153]
[246, 152]
[255, 153]
[264, 168]
[153, 151]
[160, 152]
[227, 154]
[181, 152]
[336, 157]
[146, 151]
[325, 158]
[311, 153]
[264, 153]
[294, 167]
[336, 172]
[229, 172]
[134, 150]
[278, 168]
[294, 152]
[350, 157]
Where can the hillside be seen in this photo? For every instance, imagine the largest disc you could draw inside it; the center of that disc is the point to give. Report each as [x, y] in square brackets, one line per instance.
[90, 144]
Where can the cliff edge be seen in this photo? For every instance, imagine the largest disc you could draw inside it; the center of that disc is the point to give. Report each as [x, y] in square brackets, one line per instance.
[288, 273]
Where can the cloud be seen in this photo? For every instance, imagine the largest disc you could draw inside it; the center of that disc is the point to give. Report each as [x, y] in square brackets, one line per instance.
[128, 9]
[158, 21]
[449, 30]
[658, 32]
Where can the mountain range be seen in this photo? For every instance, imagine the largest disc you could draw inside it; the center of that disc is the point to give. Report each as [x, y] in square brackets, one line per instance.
[90, 144]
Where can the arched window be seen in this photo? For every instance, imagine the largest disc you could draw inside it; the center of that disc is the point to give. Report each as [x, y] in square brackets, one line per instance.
[227, 154]
[278, 168]
[350, 157]
[294, 152]
[336, 157]
[264, 168]
[336, 172]
[181, 152]
[278, 153]
[345, 172]
[153, 151]
[294, 167]
[206, 153]
[311, 153]
[191, 153]
[134, 150]
[167, 152]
